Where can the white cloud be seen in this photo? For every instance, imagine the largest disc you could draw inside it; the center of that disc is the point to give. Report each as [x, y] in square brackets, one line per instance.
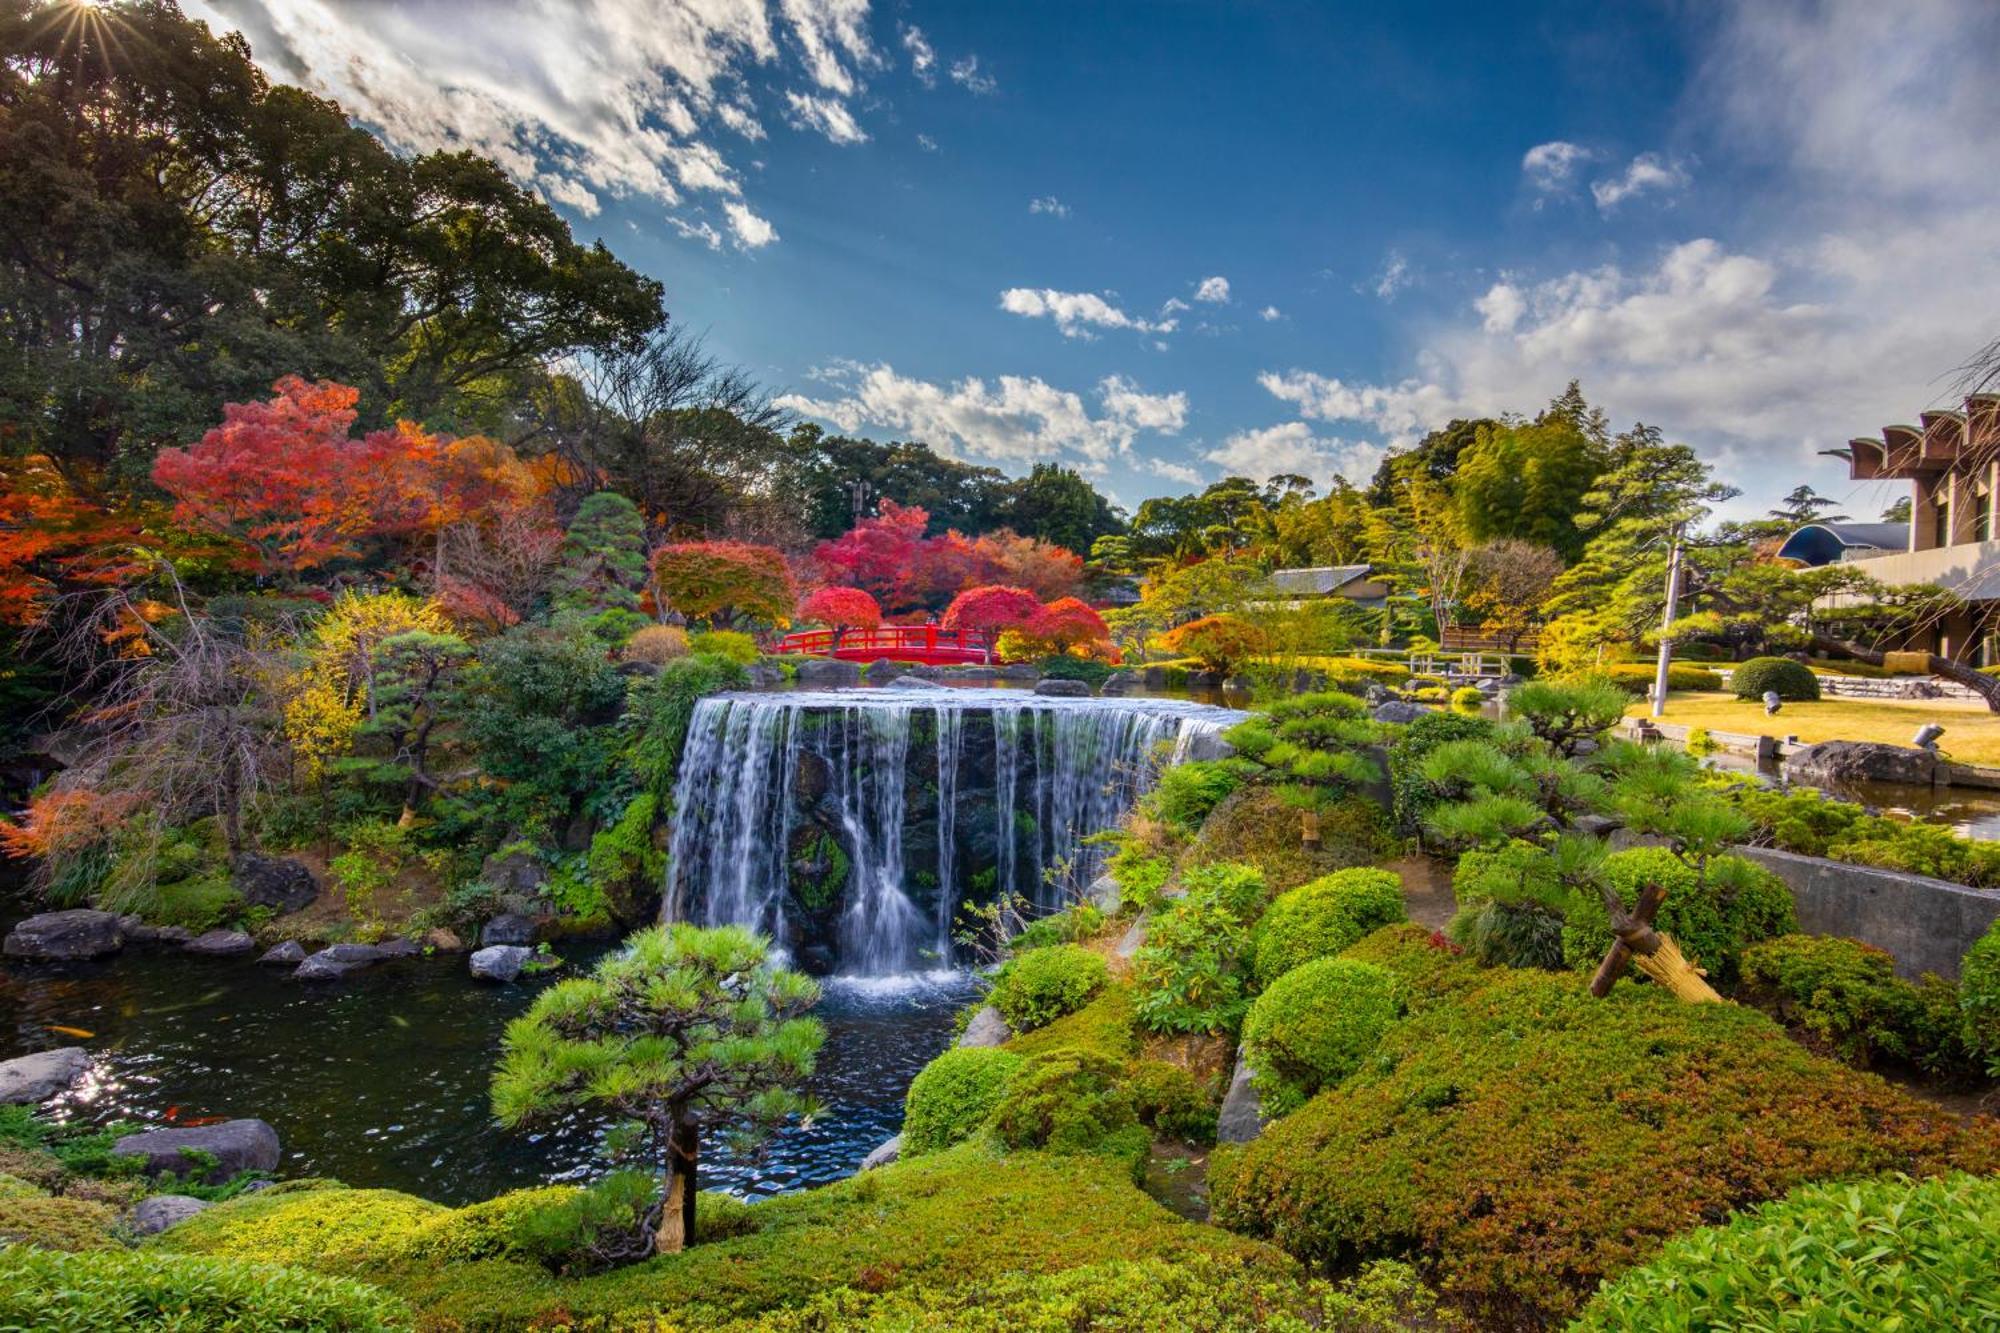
[752, 232]
[1172, 471]
[696, 230]
[965, 73]
[928, 144]
[1214, 290]
[1647, 171]
[1395, 276]
[1049, 204]
[1502, 307]
[1270, 313]
[1292, 447]
[1076, 313]
[1549, 166]
[923, 60]
[1012, 419]
[828, 115]
[1398, 413]
[609, 100]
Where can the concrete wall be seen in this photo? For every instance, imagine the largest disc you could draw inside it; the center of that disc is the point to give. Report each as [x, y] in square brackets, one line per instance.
[1927, 923]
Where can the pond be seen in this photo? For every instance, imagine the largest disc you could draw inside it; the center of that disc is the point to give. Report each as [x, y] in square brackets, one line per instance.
[381, 1079]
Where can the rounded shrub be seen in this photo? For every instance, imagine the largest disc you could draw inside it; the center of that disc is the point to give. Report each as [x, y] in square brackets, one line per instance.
[1712, 919]
[1879, 1254]
[1840, 995]
[1068, 1102]
[1315, 1026]
[1320, 919]
[1171, 1102]
[1468, 699]
[141, 1289]
[1042, 985]
[657, 644]
[1979, 998]
[735, 645]
[952, 1096]
[1793, 681]
[1529, 1140]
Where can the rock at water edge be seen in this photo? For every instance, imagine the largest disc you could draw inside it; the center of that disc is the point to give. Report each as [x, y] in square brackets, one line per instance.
[987, 1028]
[221, 943]
[500, 962]
[152, 1216]
[1062, 689]
[827, 673]
[290, 952]
[338, 960]
[1834, 763]
[1241, 1119]
[1398, 711]
[883, 1155]
[508, 928]
[236, 1145]
[277, 882]
[65, 936]
[29, 1079]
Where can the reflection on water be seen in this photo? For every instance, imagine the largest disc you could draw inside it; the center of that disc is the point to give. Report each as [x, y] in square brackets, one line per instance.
[381, 1080]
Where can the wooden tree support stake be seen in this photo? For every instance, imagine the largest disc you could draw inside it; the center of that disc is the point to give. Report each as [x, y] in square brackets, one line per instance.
[1651, 952]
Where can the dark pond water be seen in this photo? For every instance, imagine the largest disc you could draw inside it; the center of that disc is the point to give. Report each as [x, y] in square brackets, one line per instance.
[381, 1079]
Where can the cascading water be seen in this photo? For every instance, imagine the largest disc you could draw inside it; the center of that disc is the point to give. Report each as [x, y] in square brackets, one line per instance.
[862, 819]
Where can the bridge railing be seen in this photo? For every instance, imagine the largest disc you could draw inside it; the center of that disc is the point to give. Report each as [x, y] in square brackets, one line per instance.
[920, 642]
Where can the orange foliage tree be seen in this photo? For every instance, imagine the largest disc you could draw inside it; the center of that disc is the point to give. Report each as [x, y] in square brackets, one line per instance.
[1068, 625]
[52, 539]
[1217, 642]
[717, 580]
[840, 610]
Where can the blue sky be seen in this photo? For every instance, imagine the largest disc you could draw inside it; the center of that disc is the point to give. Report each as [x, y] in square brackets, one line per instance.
[1169, 242]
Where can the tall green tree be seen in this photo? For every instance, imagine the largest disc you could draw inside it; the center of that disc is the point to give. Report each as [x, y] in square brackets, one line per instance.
[176, 232]
[1057, 505]
[683, 1033]
[1528, 481]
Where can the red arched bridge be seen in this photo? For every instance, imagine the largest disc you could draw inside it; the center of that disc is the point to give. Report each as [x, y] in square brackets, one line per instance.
[897, 643]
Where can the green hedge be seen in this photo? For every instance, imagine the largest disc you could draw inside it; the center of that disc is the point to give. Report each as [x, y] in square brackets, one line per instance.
[1314, 1027]
[1045, 984]
[1636, 678]
[125, 1291]
[1811, 823]
[1524, 1140]
[1791, 680]
[1979, 998]
[1876, 1254]
[1319, 919]
[1712, 920]
[953, 1096]
[1844, 997]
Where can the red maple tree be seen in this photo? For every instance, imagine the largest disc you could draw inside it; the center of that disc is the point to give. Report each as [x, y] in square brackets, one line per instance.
[840, 610]
[990, 609]
[1066, 625]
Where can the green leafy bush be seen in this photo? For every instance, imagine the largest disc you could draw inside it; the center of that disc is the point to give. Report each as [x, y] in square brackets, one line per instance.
[1792, 681]
[1320, 919]
[1314, 1027]
[1526, 1140]
[201, 902]
[734, 645]
[1871, 1254]
[1190, 972]
[1979, 998]
[1068, 1102]
[1811, 823]
[1845, 998]
[1713, 918]
[1065, 666]
[1042, 985]
[1170, 1102]
[1413, 796]
[1468, 699]
[1072, 925]
[1187, 793]
[137, 1290]
[953, 1096]
[1636, 678]
[1108, 1026]
[1141, 874]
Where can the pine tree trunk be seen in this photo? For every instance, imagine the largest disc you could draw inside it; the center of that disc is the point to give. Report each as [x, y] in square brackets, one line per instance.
[676, 1231]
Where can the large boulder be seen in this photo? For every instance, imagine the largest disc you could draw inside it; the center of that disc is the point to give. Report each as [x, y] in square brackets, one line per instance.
[500, 962]
[152, 1216]
[1399, 711]
[280, 883]
[507, 928]
[236, 1145]
[884, 1154]
[1122, 682]
[1837, 763]
[516, 873]
[137, 931]
[221, 943]
[987, 1028]
[821, 673]
[61, 936]
[763, 676]
[1062, 689]
[912, 681]
[28, 1079]
[338, 960]
[1241, 1118]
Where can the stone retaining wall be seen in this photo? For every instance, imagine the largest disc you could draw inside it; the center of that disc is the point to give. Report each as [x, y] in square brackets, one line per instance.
[1927, 923]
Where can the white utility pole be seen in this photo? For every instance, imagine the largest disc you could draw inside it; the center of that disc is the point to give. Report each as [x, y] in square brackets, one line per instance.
[1667, 624]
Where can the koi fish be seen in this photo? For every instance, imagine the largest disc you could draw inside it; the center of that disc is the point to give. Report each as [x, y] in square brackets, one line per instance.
[196, 1122]
[70, 1031]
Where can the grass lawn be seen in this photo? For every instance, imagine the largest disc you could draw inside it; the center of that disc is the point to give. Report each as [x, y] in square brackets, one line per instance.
[1971, 731]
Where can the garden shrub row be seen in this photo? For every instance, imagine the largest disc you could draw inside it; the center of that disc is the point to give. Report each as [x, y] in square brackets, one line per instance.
[1636, 678]
[1844, 998]
[1811, 823]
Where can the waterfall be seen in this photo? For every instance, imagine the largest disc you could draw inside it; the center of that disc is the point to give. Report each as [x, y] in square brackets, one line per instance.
[810, 815]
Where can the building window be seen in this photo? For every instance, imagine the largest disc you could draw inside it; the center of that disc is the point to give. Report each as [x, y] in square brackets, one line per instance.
[1982, 517]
